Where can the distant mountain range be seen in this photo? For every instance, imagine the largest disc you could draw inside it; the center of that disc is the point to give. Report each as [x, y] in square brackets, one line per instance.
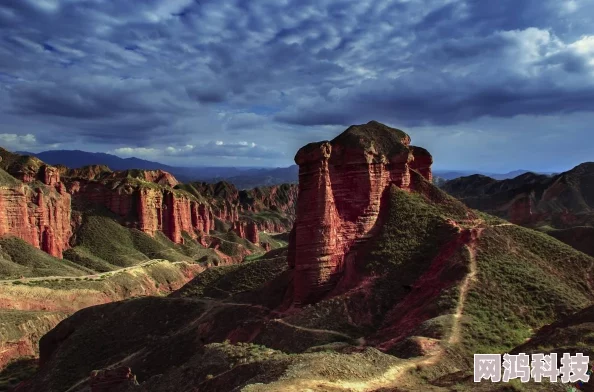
[242, 178]
[561, 205]
[451, 174]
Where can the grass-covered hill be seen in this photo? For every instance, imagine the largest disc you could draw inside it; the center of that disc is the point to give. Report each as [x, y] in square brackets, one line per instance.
[18, 258]
[439, 283]
[559, 205]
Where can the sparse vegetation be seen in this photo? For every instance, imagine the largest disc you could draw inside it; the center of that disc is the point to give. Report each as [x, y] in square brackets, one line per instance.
[19, 258]
[526, 280]
[412, 235]
[221, 282]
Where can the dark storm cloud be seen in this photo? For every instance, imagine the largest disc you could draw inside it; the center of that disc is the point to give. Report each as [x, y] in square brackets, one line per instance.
[86, 100]
[447, 101]
[207, 94]
[161, 75]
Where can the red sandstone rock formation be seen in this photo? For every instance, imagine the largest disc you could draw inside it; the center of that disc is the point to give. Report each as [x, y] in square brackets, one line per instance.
[279, 197]
[201, 217]
[40, 216]
[341, 185]
[226, 211]
[156, 208]
[238, 228]
[230, 205]
[560, 201]
[150, 210]
[49, 175]
[159, 177]
[112, 380]
[90, 172]
[422, 162]
[143, 199]
[251, 233]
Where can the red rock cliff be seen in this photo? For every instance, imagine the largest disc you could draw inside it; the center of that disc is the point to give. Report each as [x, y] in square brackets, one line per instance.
[341, 185]
[145, 207]
[270, 208]
[39, 215]
[251, 233]
[39, 211]
[422, 162]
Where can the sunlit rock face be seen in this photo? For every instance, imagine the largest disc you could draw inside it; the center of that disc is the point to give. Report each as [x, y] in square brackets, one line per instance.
[39, 215]
[37, 202]
[341, 188]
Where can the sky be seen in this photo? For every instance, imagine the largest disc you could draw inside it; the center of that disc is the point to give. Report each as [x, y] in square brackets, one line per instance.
[483, 85]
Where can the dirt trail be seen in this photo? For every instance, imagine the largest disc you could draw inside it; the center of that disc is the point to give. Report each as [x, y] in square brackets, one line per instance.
[465, 286]
[96, 276]
[314, 330]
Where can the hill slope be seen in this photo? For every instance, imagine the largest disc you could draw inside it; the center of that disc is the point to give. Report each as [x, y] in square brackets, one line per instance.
[560, 205]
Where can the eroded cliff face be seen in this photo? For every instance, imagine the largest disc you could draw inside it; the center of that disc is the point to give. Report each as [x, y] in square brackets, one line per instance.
[228, 204]
[38, 209]
[341, 193]
[36, 202]
[146, 207]
[422, 162]
[157, 206]
[279, 197]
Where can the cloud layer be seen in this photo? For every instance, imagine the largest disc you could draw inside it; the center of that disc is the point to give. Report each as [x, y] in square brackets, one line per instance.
[263, 78]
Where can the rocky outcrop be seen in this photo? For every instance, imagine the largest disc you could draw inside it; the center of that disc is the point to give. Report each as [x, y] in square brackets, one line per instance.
[91, 172]
[201, 217]
[39, 215]
[34, 204]
[422, 162]
[248, 231]
[146, 207]
[188, 208]
[158, 177]
[150, 210]
[49, 175]
[341, 189]
[238, 228]
[251, 233]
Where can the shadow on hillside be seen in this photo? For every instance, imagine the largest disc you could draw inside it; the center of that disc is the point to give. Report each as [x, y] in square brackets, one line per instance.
[17, 371]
